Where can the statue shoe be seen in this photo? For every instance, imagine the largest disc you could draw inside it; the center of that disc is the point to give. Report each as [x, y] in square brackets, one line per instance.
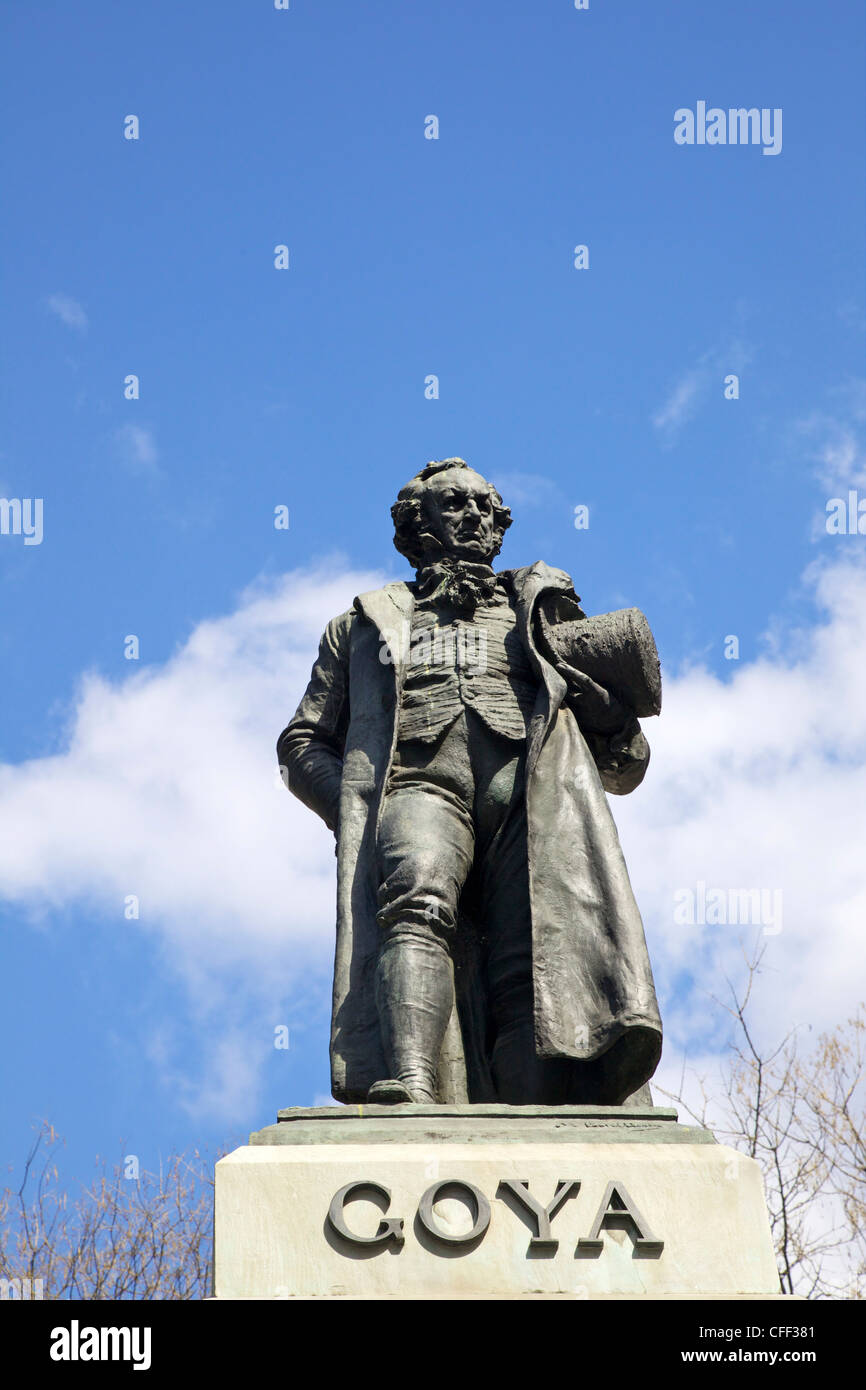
[397, 1093]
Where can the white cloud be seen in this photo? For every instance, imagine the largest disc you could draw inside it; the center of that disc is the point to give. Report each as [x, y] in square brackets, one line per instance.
[694, 385]
[136, 449]
[835, 449]
[761, 783]
[226, 1083]
[839, 458]
[168, 789]
[681, 402]
[525, 489]
[68, 310]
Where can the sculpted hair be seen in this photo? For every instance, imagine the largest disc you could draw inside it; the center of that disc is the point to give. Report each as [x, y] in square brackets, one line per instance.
[407, 513]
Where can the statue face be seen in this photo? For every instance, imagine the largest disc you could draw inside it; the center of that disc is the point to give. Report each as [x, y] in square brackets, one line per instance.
[458, 511]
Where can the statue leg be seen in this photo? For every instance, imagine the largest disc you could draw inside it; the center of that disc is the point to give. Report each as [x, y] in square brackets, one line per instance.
[520, 1076]
[425, 847]
[414, 995]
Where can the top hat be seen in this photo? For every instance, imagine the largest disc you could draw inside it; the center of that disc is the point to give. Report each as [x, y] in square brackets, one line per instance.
[617, 650]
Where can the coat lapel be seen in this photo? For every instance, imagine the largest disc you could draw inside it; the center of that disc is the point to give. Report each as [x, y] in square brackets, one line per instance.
[390, 610]
[529, 586]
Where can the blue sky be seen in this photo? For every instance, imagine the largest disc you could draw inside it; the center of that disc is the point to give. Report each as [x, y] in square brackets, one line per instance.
[409, 257]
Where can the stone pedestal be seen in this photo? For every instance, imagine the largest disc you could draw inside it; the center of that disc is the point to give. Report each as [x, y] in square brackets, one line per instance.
[416, 1201]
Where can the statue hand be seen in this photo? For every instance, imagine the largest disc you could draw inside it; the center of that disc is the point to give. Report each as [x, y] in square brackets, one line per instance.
[594, 706]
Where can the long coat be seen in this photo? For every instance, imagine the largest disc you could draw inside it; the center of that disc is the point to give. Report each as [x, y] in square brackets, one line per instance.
[594, 996]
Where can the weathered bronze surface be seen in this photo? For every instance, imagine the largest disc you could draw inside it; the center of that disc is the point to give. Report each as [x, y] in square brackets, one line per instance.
[458, 735]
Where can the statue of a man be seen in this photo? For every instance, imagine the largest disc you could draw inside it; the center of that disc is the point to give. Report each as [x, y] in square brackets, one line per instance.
[489, 947]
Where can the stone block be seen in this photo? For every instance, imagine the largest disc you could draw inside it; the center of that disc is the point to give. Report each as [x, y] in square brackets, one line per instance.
[420, 1202]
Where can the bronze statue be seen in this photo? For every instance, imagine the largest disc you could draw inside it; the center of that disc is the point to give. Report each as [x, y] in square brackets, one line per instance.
[458, 735]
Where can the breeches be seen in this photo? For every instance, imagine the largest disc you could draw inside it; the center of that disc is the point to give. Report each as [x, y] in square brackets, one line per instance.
[452, 837]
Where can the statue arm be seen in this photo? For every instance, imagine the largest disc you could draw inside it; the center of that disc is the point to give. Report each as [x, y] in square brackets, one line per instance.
[612, 732]
[614, 737]
[310, 748]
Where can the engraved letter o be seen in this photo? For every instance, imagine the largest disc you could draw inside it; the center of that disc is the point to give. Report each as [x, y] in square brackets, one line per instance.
[472, 1197]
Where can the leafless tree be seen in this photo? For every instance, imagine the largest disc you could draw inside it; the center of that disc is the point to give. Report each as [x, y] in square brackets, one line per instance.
[799, 1109]
[148, 1237]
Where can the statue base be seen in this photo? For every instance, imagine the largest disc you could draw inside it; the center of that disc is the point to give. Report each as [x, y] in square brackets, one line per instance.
[489, 1201]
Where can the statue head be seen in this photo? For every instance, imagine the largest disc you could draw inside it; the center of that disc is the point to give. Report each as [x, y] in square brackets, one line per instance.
[448, 511]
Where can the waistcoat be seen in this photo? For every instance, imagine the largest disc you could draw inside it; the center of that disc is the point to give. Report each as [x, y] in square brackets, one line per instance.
[459, 662]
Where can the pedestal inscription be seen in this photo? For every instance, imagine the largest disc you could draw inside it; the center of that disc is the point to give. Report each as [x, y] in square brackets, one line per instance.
[489, 1202]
